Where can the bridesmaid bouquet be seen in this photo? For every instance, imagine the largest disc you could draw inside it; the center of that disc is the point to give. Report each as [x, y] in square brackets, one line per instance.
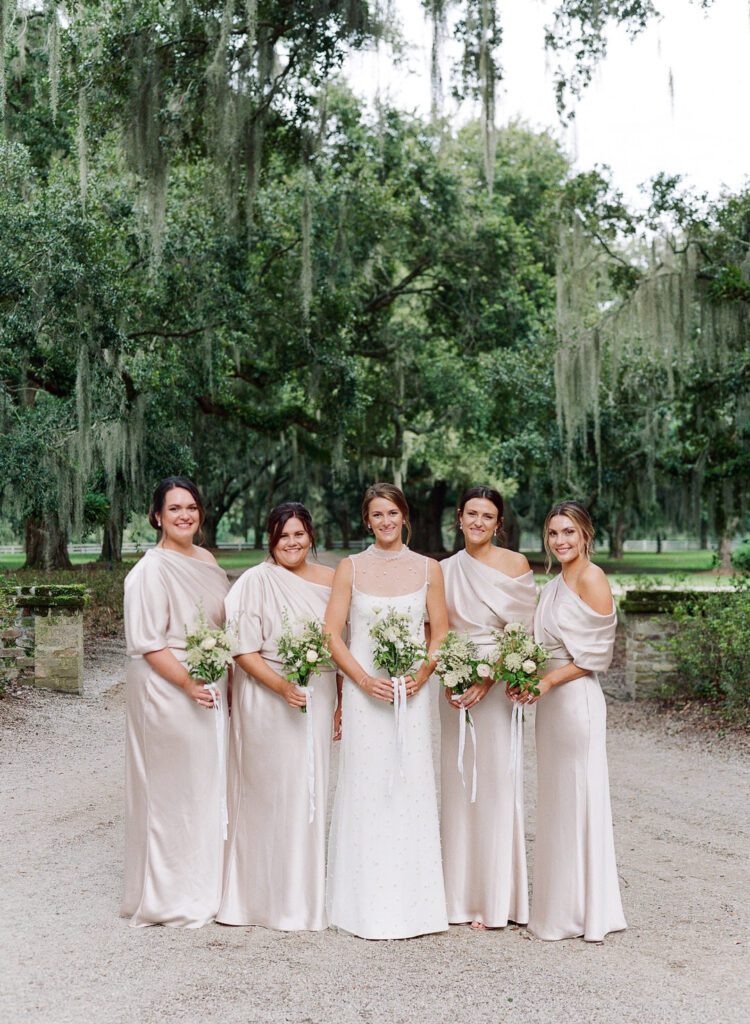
[518, 659]
[459, 665]
[395, 650]
[303, 650]
[209, 651]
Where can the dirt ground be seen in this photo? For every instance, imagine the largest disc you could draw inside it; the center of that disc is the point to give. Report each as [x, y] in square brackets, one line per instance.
[680, 799]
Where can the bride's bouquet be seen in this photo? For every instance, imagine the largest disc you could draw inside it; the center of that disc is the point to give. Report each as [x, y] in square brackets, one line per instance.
[518, 659]
[209, 651]
[459, 665]
[395, 650]
[303, 650]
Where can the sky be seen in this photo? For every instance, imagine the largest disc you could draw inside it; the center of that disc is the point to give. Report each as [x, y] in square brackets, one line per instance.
[627, 119]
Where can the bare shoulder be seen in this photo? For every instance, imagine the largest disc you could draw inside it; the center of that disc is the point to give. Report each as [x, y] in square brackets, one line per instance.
[512, 563]
[344, 571]
[322, 574]
[594, 589]
[434, 572]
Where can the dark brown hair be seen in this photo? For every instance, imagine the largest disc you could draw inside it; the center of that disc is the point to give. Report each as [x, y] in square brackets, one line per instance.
[391, 493]
[579, 514]
[280, 516]
[160, 497]
[489, 494]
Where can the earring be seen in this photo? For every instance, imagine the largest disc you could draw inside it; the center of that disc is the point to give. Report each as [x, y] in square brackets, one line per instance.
[461, 527]
[158, 524]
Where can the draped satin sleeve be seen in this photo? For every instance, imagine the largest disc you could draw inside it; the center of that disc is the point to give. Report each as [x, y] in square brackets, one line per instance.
[588, 636]
[244, 609]
[146, 608]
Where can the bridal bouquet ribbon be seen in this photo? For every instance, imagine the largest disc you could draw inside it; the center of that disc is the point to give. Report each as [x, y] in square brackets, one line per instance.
[459, 667]
[518, 661]
[303, 649]
[209, 653]
[397, 652]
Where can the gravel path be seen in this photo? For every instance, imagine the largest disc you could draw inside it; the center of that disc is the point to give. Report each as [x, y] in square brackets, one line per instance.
[681, 811]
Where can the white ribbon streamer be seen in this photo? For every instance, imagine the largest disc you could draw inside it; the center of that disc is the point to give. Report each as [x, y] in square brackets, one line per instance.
[219, 720]
[310, 690]
[399, 726]
[464, 719]
[515, 761]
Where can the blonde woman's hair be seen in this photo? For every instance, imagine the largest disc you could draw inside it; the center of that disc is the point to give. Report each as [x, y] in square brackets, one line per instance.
[391, 493]
[579, 515]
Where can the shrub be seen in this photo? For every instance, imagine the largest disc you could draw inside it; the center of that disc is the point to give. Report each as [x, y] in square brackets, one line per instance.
[711, 650]
[741, 557]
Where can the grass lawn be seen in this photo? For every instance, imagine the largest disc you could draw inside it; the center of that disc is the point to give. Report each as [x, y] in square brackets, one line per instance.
[647, 563]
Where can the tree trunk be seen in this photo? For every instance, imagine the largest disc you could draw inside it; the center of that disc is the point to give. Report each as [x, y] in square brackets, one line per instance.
[210, 527]
[112, 540]
[658, 543]
[704, 535]
[427, 520]
[617, 538]
[46, 545]
[512, 529]
[258, 527]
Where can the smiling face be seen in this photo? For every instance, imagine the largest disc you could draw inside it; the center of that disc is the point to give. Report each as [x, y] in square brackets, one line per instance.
[293, 545]
[565, 539]
[179, 518]
[386, 521]
[479, 520]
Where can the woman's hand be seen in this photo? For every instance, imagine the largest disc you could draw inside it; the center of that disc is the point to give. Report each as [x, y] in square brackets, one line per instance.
[470, 697]
[294, 695]
[337, 723]
[196, 691]
[377, 687]
[544, 686]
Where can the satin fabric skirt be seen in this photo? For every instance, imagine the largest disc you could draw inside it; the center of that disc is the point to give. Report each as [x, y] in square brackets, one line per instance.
[484, 852]
[576, 890]
[385, 879]
[173, 789]
[275, 859]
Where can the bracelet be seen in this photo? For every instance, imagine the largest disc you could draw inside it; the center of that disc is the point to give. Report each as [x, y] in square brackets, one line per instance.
[359, 684]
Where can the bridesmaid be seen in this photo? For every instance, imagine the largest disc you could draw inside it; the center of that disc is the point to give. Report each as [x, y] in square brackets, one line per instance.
[275, 858]
[484, 854]
[174, 783]
[385, 878]
[576, 890]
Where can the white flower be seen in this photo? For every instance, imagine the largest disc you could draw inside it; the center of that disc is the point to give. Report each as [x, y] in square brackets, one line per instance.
[208, 644]
[528, 648]
[512, 627]
[312, 656]
[484, 671]
[528, 666]
[513, 661]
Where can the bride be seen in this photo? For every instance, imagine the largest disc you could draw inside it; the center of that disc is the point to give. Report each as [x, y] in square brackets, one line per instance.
[385, 878]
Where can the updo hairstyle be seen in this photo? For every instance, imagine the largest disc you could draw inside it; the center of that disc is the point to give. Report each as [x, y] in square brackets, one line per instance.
[391, 493]
[579, 515]
[280, 516]
[489, 494]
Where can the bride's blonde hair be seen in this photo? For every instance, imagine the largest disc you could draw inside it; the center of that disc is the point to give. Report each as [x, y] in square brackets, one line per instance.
[579, 515]
[391, 493]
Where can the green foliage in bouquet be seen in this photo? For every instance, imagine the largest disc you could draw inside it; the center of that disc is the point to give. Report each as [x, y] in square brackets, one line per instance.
[458, 663]
[304, 650]
[518, 659]
[395, 649]
[208, 651]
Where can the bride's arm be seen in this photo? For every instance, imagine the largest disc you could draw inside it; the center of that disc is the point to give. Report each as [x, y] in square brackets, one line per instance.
[438, 627]
[336, 616]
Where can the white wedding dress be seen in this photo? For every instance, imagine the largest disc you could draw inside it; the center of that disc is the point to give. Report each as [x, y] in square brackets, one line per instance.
[385, 876]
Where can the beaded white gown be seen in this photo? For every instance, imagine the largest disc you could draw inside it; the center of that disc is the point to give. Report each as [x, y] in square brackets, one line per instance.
[385, 877]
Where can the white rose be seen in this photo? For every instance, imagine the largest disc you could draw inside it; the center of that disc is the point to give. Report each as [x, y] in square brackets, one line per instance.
[484, 671]
[208, 644]
[529, 666]
[512, 627]
[312, 656]
[513, 662]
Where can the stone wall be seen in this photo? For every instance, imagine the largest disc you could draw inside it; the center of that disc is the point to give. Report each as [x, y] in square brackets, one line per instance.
[42, 642]
[648, 625]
